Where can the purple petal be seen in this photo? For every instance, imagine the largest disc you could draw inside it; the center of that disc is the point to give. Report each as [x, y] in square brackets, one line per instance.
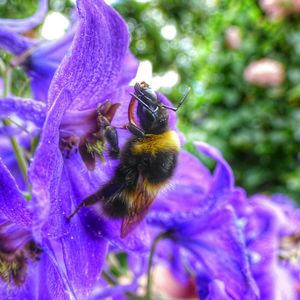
[9, 159]
[14, 43]
[171, 253]
[50, 280]
[266, 223]
[43, 63]
[223, 253]
[216, 290]
[275, 283]
[130, 67]
[210, 289]
[215, 240]
[24, 292]
[108, 292]
[13, 205]
[223, 175]
[26, 109]
[8, 131]
[92, 69]
[23, 25]
[84, 242]
[56, 49]
[40, 84]
[84, 183]
[290, 210]
[82, 251]
[137, 263]
[46, 168]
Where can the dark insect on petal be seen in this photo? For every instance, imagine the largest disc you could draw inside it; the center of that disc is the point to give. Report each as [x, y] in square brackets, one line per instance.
[17, 250]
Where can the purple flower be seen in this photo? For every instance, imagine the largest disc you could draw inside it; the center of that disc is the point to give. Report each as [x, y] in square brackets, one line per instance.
[32, 115]
[25, 109]
[91, 74]
[211, 244]
[97, 68]
[197, 215]
[271, 229]
[39, 59]
[29, 270]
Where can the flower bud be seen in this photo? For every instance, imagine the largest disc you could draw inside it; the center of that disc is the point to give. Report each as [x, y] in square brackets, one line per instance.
[265, 72]
[233, 37]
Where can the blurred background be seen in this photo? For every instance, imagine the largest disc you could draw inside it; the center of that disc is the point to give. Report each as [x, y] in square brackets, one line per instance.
[242, 61]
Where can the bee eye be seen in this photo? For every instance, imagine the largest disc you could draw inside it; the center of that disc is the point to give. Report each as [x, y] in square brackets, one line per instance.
[148, 114]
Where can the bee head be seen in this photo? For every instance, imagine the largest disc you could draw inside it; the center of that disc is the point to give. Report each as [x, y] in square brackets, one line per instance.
[152, 115]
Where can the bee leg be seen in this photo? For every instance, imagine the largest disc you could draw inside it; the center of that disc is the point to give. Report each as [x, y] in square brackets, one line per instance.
[92, 199]
[111, 137]
[138, 132]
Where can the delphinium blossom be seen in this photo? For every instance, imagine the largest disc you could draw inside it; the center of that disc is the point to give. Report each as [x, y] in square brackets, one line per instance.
[269, 238]
[194, 226]
[265, 73]
[28, 269]
[271, 230]
[205, 239]
[38, 58]
[97, 61]
[196, 237]
[32, 115]
[90, 75]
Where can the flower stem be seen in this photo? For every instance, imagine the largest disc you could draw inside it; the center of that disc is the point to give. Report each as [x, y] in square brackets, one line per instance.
[161, 236]
[22, 163]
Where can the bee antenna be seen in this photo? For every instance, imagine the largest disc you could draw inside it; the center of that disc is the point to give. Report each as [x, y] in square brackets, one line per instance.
[180, 102]
[141, 101]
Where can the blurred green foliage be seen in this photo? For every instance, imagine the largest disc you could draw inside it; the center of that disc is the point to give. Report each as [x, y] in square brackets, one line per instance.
[17, 9]
[257, 129]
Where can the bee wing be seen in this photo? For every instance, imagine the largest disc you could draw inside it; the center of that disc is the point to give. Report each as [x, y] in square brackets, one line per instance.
[142, 200]
[130, 222]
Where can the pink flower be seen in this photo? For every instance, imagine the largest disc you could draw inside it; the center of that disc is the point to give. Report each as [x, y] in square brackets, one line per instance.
[168, 286]
[233, 37]
[278, 9]
[265, 72]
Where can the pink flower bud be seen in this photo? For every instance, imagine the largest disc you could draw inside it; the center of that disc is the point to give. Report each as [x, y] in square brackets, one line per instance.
[233, 37]
[278, 9]
[265, 72]
[166, 285]
[273, 8]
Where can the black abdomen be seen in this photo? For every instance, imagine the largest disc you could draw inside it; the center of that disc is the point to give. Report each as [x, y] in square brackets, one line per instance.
[156, 168]
[159, 167]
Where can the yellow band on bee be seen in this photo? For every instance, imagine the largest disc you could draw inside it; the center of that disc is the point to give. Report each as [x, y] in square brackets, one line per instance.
[154, 143]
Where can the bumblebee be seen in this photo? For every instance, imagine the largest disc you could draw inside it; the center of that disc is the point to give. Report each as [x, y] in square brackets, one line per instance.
[147, 161]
